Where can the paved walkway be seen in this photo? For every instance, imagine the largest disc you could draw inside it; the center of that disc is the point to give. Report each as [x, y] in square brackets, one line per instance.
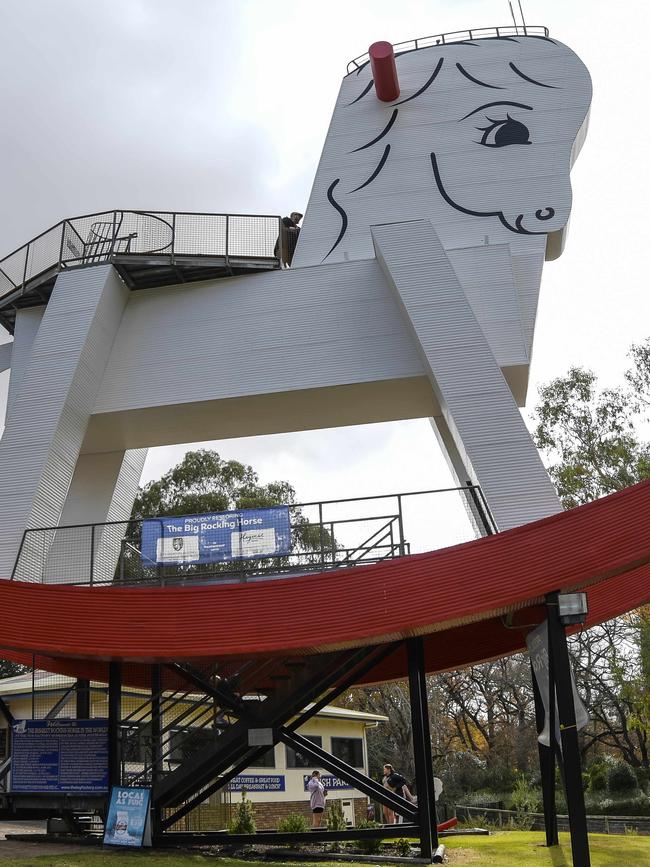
[17, 849]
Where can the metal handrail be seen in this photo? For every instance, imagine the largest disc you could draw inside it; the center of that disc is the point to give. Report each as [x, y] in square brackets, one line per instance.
[455, 36]
[30, 261]
[383, 537]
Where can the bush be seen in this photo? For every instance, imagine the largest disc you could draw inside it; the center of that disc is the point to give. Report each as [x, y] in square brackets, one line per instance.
[403, 847]
[335, 820]
[621, 778]
[372, 846]
[597, 775]
[294, 823]
[243, 822]
[636, 805]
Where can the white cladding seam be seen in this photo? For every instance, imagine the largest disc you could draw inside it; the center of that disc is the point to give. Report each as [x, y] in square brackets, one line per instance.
[290, 330]
[54, 400]
[476, 402]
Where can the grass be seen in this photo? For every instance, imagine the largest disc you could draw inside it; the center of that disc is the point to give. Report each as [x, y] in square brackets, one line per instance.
[505, 849]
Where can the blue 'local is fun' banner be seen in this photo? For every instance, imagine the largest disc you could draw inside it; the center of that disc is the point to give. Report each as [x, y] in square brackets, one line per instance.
[217, 537]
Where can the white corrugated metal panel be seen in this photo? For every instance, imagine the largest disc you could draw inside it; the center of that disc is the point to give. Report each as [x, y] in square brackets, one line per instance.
[53, 402]
[477, 404]
[290, 330]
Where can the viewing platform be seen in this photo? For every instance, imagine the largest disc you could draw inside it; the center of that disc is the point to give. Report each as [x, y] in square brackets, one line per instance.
[147, 248]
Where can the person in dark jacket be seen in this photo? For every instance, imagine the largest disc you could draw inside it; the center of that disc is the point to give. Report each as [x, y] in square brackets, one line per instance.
[286, 243]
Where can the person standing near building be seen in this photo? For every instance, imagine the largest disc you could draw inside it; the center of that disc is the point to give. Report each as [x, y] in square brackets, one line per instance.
[318, 794]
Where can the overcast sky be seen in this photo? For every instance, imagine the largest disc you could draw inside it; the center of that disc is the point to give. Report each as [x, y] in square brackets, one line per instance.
[223, 105]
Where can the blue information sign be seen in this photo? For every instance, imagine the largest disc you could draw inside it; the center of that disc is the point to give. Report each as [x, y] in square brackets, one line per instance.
[329, 782]
[263, 783]
[128, 817]
[217, 537]
[59, 755]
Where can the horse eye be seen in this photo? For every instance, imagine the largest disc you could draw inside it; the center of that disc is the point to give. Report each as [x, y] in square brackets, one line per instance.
[501, 133]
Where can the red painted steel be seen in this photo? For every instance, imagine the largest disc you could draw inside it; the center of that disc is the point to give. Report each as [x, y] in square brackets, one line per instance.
[384, 71]
[463, 592]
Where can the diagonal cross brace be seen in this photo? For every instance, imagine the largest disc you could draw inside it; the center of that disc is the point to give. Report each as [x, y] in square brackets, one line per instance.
[233, 744]
[348, 773]
[365, 662]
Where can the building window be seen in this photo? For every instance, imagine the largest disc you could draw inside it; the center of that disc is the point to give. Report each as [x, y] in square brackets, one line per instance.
[297, 760]
[136, 743]
[349, 750]
[267, 760]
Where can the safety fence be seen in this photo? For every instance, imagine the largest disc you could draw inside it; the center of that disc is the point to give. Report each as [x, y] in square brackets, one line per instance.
[169, 237]
[324, 535]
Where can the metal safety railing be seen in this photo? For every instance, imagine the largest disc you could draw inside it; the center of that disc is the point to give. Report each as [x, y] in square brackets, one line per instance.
[455, 36]
[330, 534]
[163, 236]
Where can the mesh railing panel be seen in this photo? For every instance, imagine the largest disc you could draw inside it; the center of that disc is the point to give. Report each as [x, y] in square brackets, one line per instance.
[252, 236]
[200, 235]
[96, 238]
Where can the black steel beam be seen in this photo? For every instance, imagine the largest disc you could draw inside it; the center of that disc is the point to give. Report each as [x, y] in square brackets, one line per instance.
[546, 758]
[274, 838]
[156, 741]
[569, 735]
[365, 663]
[346, 772]
[114, 720]
[220, 692]
[6, 713]
[422, 748]
[82, 690]
[201, 768]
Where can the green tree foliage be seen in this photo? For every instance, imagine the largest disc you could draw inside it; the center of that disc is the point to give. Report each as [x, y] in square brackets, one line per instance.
[10, 669]
[204, 482]
[590, 436]
[594, 442]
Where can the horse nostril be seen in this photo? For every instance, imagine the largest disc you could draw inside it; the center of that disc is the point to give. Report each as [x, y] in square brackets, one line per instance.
[545, 214]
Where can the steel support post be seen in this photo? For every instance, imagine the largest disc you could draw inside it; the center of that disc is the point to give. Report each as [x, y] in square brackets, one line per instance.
[82, 695]
[114, 720]
[422, 749]
[568, 735]
[156, 741]
[546, 759]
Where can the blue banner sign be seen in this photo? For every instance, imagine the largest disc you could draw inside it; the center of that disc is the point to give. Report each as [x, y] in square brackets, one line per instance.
[329, 782]
[217, 537]
[128, 817]
[59, 755]
[264, 783]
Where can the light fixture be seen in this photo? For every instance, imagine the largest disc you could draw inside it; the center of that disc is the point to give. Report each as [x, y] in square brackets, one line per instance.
[572, 608]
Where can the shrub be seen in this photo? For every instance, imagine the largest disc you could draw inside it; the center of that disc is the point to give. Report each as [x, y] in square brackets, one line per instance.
[635, 805]
[243, 822]
[597, 775]
[294, 823]
[621, 778]
[403, 847]
[371, 846]
[524, 799]
[335, 820]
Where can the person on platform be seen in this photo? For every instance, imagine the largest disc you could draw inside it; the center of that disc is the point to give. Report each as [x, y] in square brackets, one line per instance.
[286, 243]
[317, 796]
